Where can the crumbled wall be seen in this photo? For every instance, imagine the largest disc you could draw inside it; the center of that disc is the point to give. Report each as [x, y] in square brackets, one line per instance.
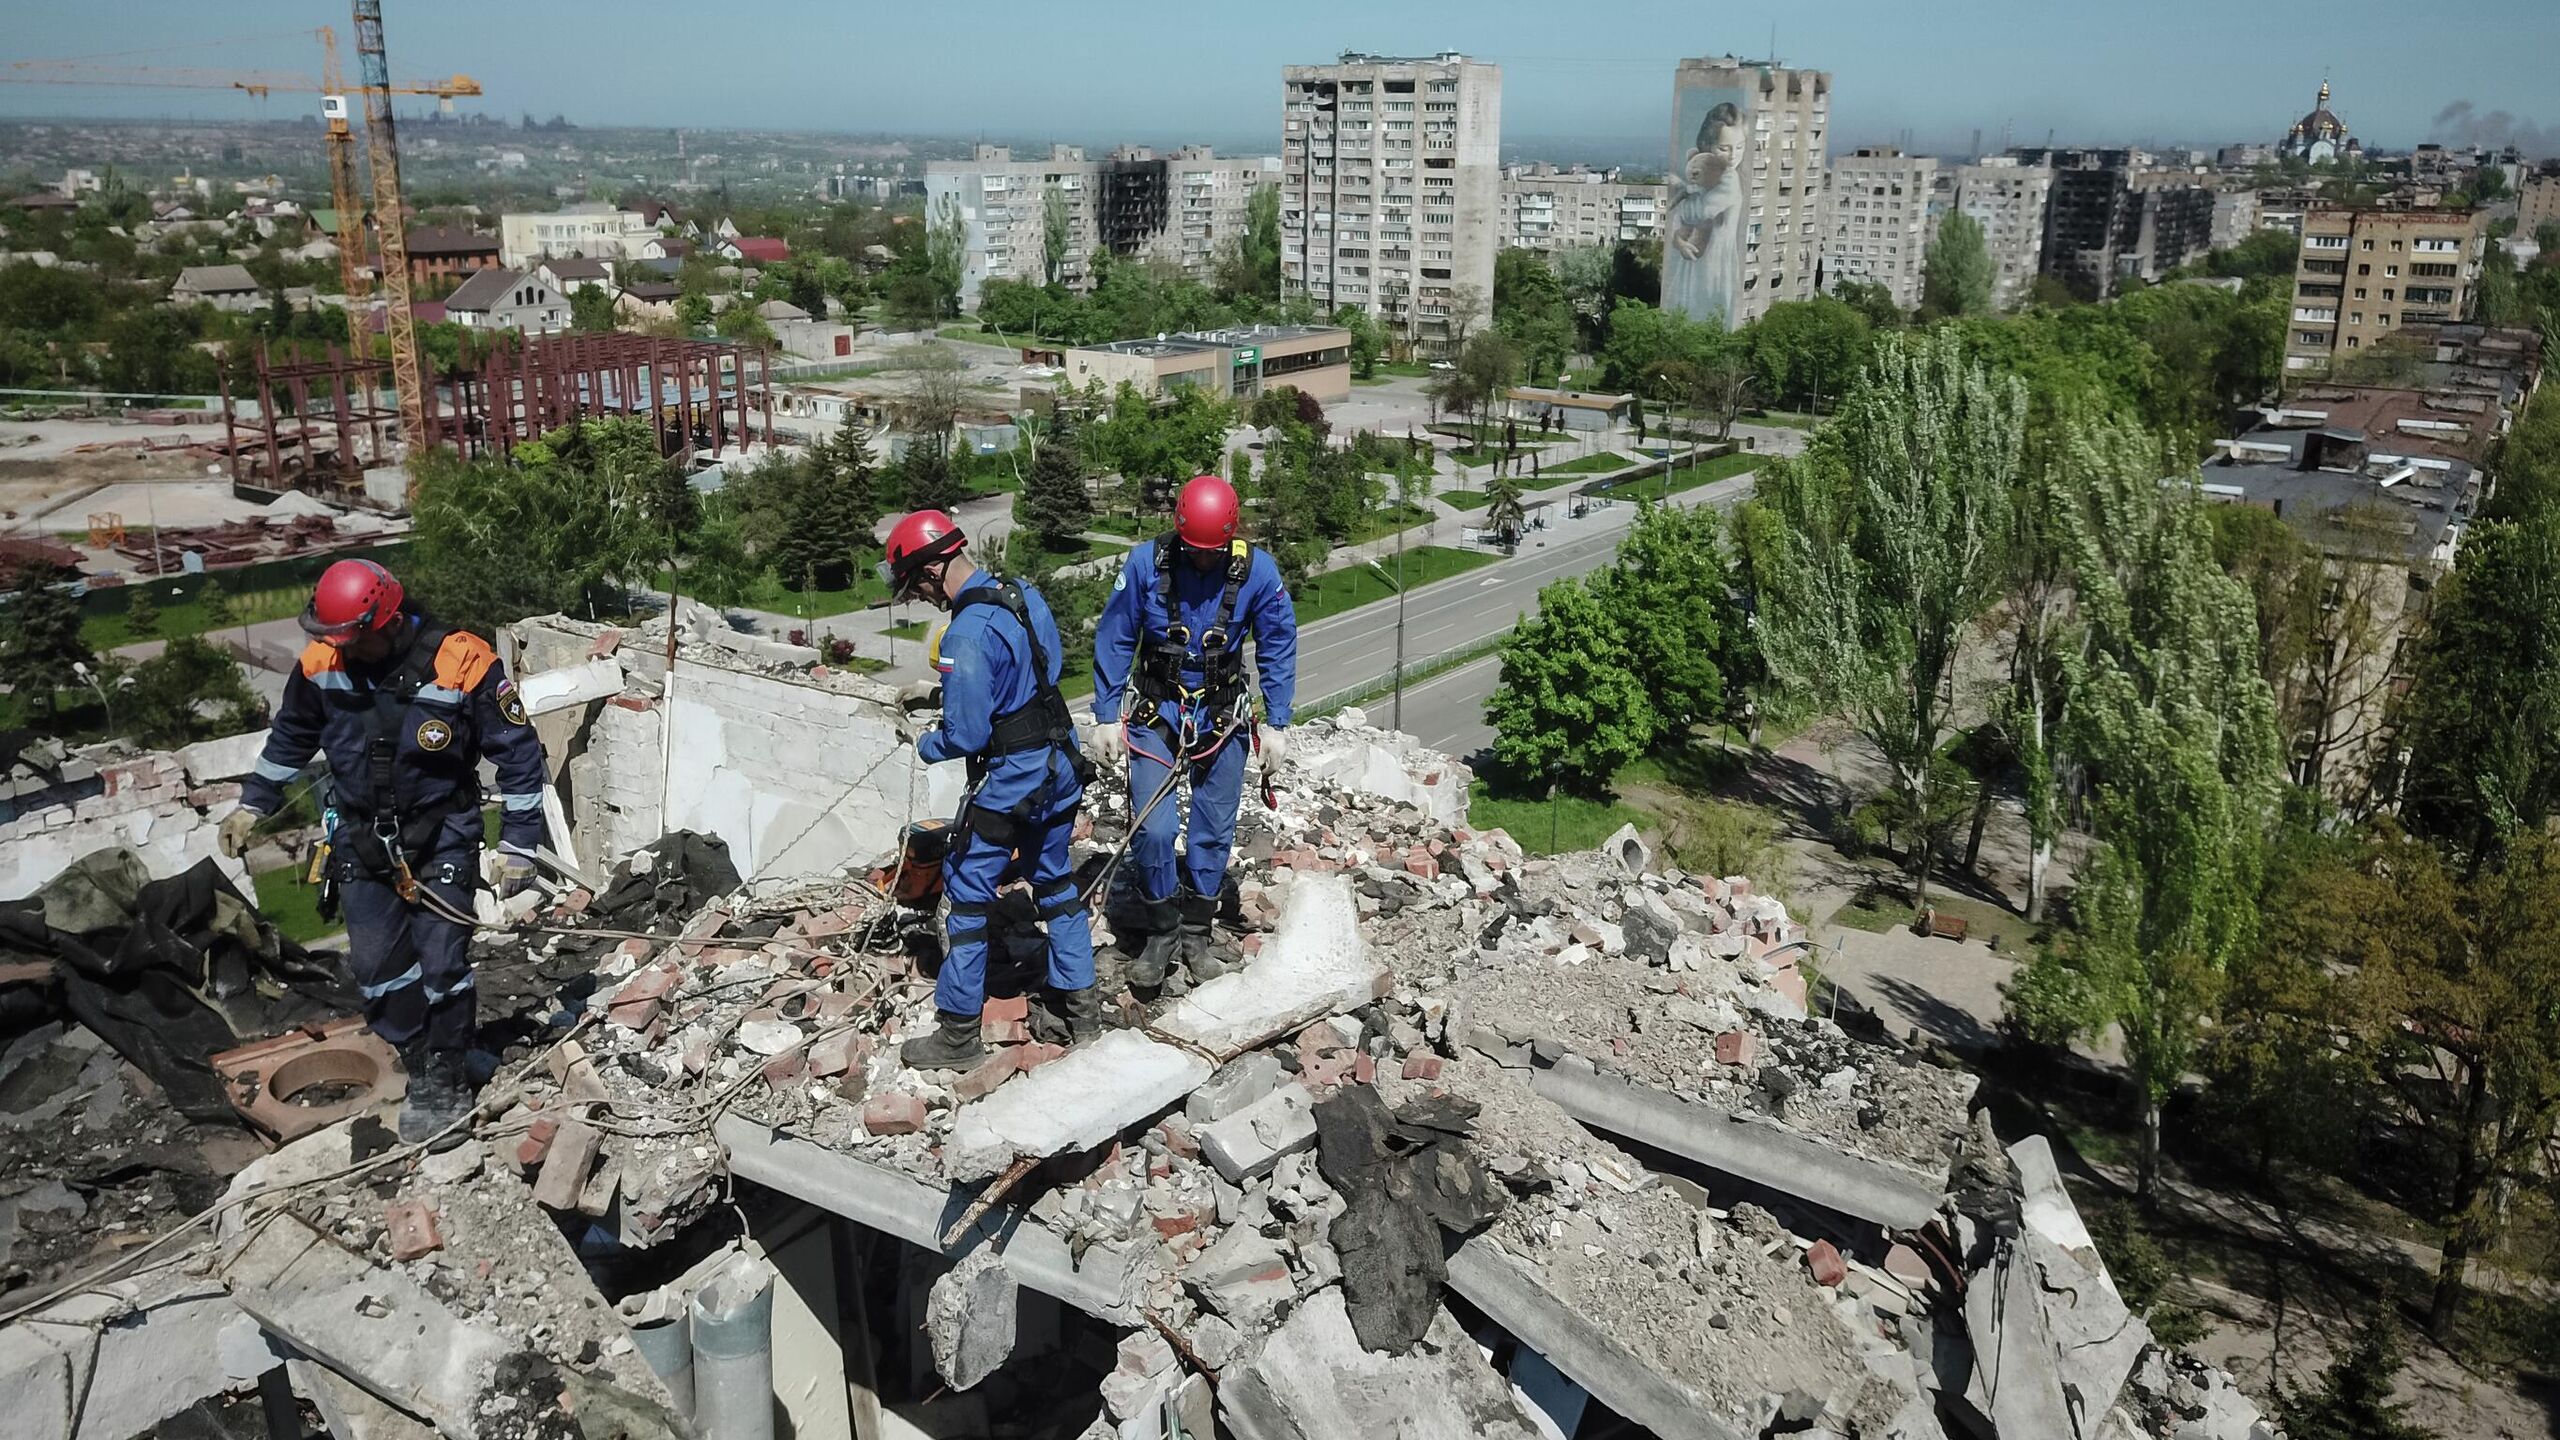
[148, 806]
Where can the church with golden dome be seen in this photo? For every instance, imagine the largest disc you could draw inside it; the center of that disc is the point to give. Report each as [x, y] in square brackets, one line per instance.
[2320, 135]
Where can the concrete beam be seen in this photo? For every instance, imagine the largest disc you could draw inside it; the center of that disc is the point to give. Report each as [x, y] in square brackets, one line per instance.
[916, 1211]
[1076, 1102]
[1509, 1293]
[1315, 964]
[1763, 1154]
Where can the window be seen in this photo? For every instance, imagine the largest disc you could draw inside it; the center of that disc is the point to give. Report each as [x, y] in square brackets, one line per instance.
[2386, 294]
[2355, 342]
[2368, 245]
[2310, 337]
[2359, 292]
[2364, 269]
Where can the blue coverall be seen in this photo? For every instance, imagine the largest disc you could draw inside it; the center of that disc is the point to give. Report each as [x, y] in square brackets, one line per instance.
[1029, 798]
[412, 965]
[1216, 771]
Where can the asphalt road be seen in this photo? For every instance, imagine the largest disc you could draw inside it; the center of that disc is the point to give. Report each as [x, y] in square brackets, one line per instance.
[1447, 712]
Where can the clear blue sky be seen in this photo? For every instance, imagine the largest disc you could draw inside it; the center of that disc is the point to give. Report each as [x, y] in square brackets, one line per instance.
[1100, 70]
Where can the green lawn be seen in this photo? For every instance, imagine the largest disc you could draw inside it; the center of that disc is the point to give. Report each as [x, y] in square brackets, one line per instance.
[1466, 499]
[1128, 526]
[1356, 585]
[980, 335]
[1654, 487]
[187, 617]
[1406, 369]
[770, 594]
[291, 906]
[1387, 522]
[1598, 464]
[1568, 823]
[907, 630]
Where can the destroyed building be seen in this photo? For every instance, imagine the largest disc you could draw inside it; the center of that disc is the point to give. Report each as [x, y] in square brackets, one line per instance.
[1471, 1143]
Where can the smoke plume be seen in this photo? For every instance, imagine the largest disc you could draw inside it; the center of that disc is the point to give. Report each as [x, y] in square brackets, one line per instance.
[2462, 123]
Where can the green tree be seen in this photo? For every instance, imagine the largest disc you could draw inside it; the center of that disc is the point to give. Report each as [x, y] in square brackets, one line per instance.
[2483, 711]
[1480, 375]
[1504, 514]
[1529, 306]
[1251, 269]
[913, 303]
[591, 309]
[141, 612]
[1872, 300]
[190, 691]
[565, 521]
[2172, 716]
[2546, 237]
[1569, 706]
[946, 241]
[693, 312]
[928, 478]
[1053, 233]
[1583, 272]
[1893, 523]
[219, 609]
[1667, 593]
[1806, 351]
[741, 323]
[1368, 342]
[40, 642]
[1957, 276]
[1055, 503]
[2353, 1400]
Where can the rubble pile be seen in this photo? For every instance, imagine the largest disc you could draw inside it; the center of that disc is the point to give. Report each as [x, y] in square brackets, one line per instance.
[1454, 1118]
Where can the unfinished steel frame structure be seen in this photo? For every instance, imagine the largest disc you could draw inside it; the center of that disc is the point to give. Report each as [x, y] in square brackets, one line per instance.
[320, 424]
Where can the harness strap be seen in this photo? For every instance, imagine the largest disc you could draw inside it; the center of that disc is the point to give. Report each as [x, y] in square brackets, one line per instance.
[1164, 657]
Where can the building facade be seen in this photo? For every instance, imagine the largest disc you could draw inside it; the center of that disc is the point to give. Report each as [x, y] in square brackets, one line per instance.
[2110, 216]
[1390, 189]
[507, 300]
[1181, 208]
[2538, 200]
[1748, 153]
[1242, 362]
[2008, 200]
[598, 231]
[2364, 274]
[1878, 209]
[1547, 209]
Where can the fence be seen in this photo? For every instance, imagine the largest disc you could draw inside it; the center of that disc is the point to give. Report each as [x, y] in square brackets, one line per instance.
[1415, 672]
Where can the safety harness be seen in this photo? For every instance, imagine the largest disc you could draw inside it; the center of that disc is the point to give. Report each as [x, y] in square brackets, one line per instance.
[1039, 723]
[1162, 658]
[387, 838]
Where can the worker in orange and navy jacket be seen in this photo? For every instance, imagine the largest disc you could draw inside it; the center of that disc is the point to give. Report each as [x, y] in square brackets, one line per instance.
[404, 710]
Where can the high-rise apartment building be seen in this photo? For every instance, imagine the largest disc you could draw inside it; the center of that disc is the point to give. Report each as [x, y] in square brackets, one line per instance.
[1547, 209]
[1390, 172]
[1745, 227]
[1137, 204]
[1878, 210]
[2007, 199]
[2110, 216]
[2538, 199]
[2364, 274]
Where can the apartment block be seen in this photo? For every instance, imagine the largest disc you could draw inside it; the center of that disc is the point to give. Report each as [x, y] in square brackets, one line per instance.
[1139, 205]
[2364, 274]
[1748, 151]
[2110, 216]
[1390, 174]
[2538, 199]
[1878, 210]
[1547, 209]
[2007, 198]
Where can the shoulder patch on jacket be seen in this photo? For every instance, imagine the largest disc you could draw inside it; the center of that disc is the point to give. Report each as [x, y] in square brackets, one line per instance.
[462, 660]
[319, 656]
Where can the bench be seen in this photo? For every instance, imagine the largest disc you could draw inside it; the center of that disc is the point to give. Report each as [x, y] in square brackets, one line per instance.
[1944, 927]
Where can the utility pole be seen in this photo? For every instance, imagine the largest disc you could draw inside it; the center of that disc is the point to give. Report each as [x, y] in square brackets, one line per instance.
[1405, 474]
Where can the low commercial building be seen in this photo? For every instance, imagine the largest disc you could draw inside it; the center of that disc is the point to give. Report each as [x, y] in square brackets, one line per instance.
[1241, 362]
[595, 230]
[1570, 409]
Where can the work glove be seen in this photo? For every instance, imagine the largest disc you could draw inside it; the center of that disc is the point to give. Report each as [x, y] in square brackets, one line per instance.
[920, 695]
[1275, 743]
[238, 828]
[1106, 741]
[515, 876]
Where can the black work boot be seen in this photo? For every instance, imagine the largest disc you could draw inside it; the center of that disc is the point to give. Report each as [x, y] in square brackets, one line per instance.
[1199, 912]
[439, 1095]
[952, 1046]
[1147, 968]
[1083, 1010]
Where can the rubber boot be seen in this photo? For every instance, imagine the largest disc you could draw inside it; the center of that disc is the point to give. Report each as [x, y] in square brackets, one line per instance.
[1146, 969]
[1199, 912]
[952, 1046]
[439, 1095]
[1083, 1010]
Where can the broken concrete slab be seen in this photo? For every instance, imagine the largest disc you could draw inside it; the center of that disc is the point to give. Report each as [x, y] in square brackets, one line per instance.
[575, 685]
[2017, 1378]
[969, 1317]
[374, 1326]
[1097, 1281]
[1238, 1083]
[1313, 1381]
[1509, 1293]
[141, 1349]
[1314, 965]
[1101, 1088]
[1249, 1142]
[1764, 1154]
[2045, 1206]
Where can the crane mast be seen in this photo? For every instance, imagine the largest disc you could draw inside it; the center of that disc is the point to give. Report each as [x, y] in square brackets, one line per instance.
[391, 228]
[342, 172]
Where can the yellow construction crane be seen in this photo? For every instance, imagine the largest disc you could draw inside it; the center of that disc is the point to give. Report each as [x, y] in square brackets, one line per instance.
[334, 110]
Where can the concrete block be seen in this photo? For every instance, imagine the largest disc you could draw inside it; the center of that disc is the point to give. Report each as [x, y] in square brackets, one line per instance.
[164, 1341]
[893, 1113]
[1315, 965]
[1075, 1103]
[1236, 1084]
[1312, 1378]
[1252, 1140]
[571, 686]
[228, 758]
[564, 1168]
[970, 1318]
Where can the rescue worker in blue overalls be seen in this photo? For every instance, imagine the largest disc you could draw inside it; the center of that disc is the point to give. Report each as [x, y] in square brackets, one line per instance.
[1002, 712]
[404, 710]
[1172, 636]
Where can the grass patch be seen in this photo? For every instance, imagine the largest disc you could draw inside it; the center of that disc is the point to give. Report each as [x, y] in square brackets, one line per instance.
[291, 906]
[1466, 499]
[1353, 586]
[1356, 380]
[906, 630]
[1491, 434]
[1130, 527]
[1706, 472]
[1871, 913]
[1544, 827]
[1405, 369]
[771, 595]
[187, 617]
[1388, 521]
[980, 335]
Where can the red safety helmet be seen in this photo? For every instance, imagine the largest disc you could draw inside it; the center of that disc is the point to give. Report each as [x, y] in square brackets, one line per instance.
[1204, 514]
[923, 538]
[353, 596]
